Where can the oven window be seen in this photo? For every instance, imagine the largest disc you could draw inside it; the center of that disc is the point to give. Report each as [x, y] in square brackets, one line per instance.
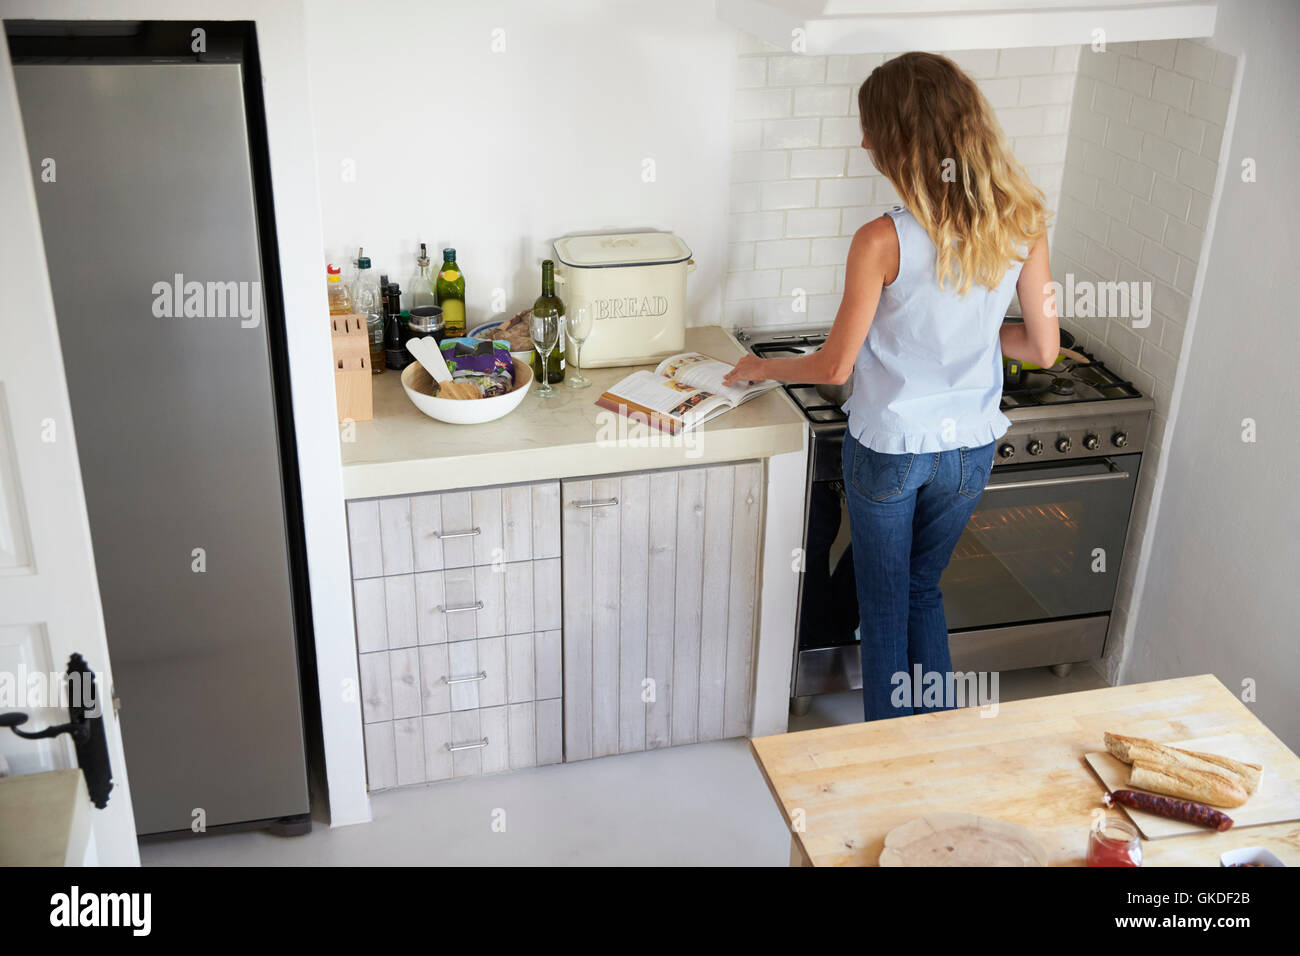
[1045, 542]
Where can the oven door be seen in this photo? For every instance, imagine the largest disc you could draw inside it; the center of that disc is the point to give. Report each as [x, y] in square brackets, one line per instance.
[1044, 543]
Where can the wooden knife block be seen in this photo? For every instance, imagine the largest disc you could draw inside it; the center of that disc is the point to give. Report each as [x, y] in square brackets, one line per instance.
[352, 385]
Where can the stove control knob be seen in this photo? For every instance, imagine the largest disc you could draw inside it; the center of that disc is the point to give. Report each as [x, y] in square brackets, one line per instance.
[1006, 450]
[1035, 447]
[1091, 442]
[1063, 444]
[1119, 439]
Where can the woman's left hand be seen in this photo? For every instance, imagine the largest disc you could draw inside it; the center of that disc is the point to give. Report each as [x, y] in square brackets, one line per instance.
[748, 369]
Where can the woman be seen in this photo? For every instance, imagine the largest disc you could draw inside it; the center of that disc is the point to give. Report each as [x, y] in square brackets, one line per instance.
[920, 331]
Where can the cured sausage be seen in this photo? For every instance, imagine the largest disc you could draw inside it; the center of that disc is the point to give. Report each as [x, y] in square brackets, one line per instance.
[1184, 810]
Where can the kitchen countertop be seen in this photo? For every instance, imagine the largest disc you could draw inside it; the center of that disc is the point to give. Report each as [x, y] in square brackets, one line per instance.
[1025, 765]
[402, 451]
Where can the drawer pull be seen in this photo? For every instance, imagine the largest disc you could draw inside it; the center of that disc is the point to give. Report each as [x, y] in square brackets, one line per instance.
[476, 606]
[478, 746]
[607, 503]
[444, 535]
[481, 675]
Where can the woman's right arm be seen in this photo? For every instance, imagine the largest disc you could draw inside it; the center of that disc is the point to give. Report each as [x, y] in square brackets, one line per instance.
[1038, 340]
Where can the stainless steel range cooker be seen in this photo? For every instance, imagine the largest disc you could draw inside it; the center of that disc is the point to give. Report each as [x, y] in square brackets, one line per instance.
[1032, 580]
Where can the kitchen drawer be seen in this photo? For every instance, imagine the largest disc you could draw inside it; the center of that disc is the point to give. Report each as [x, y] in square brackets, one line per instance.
[454, 529]
[460, 604]
[463, 743]
[460, 675]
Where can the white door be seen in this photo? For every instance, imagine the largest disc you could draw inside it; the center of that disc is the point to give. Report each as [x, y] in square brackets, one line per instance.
[49, 596]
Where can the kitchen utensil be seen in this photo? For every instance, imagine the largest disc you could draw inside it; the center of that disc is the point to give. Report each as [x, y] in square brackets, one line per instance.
[962, 839]
[1276, 801]
[419, 387]
[545, 330]
[353, 392]
[578, 327]
[428, 354]
[635, 284]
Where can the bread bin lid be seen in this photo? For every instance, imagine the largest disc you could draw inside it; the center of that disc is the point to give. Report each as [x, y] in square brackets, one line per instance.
[621, 249]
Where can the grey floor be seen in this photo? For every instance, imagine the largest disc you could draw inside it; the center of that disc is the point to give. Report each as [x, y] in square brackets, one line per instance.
[698, 805]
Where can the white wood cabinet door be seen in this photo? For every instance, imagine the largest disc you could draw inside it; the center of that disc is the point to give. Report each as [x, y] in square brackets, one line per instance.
[660, 585]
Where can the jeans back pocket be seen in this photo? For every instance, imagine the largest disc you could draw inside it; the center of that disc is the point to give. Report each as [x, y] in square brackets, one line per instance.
[878, 476]
[976, 463]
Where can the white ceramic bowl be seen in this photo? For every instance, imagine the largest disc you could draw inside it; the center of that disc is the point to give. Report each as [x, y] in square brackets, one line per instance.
[474, 411]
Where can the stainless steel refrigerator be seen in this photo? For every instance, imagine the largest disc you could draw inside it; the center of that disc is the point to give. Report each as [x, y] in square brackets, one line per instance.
[146, 179]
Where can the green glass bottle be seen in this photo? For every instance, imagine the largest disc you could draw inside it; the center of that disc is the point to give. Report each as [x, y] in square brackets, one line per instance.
[548, 303]
[450, 290]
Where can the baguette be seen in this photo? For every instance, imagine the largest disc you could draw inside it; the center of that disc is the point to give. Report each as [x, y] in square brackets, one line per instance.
[1222, 789]
[1161, 757]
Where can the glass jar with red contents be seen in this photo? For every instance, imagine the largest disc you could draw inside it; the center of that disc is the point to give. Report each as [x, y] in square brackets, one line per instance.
[1113, 841]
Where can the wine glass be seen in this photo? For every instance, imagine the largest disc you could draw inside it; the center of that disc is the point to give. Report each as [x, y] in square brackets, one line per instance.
[545, 330]
[577, 326]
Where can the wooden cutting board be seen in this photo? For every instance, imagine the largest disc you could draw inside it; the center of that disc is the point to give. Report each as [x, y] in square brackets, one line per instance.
[1276, 801]
[961, 839]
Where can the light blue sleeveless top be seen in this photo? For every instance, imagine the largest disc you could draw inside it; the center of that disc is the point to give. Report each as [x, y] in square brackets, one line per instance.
[929, 376]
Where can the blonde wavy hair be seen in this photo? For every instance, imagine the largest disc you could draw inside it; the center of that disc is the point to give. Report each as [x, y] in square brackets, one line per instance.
[932, 133]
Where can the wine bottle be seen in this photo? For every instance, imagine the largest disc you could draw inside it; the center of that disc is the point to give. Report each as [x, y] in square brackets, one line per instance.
[547, 304]
[450, 290]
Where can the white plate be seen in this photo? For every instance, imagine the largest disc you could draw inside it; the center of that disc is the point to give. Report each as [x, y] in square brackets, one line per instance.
[525, 355]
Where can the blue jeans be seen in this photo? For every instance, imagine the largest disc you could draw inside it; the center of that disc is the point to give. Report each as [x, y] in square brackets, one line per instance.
[906, 513]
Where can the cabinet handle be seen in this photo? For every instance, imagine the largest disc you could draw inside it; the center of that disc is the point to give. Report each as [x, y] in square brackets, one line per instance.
[478, 746]
[481, 675]
[476, 606]
[607, 503]
[444, 535]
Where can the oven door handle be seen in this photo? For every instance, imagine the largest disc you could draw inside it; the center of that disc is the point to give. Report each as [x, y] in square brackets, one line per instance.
[1113, 473]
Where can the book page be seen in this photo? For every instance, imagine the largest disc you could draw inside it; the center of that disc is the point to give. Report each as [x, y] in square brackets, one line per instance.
[666, 396]
[700, 371]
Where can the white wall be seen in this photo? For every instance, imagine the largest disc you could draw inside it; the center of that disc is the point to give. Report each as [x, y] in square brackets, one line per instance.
[801, 184]
[1219, 592]
[499, 153]
[1145, 137]
[280, 33]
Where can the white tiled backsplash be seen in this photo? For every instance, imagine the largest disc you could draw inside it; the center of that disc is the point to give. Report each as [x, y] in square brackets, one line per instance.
[802, 184]
[1145, 134]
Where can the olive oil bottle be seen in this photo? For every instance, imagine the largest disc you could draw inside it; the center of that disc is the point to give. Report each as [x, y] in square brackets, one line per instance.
[547, 304]
[450, 290]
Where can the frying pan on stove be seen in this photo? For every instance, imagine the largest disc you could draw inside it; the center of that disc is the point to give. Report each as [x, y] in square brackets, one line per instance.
[1013, 370]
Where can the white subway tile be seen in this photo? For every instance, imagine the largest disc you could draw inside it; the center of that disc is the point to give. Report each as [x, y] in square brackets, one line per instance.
[1199, 214]
[753, 285]
[1001, 93]
[740, 255]
[752, 226]
[1170, 302]
[1088, 126]
[1183, 239]
[1036, 150]
[755, 165]
[1099, 66]
[1135, 75]
[1171, 197]
[744, 197]
[860, 163]
[1148, 115]
[1124, 139]
[762, 104]
[883, 192]
[1135, 178]
[816, 163]
[1070, 245]
[781, 254]
[831, 251]
[796, 70]
[853, 218]
[844, 192]
[1213, 142]
[1125, 241]
[1159, 261]
[1195, 60]
[1172, 89]
[1159, 154]
[1147, 220]
[1184, 131]
[1158, 52]
[1082, 187]
[1197, 172]
[751, 71]
[1128, 47]
[1185, 281]
[1209, 102]
[1225, 70]
[1158, 363]
[821, 100]
[836, 131]
[851, 69]
[811, 223]
[1041, 90]
[791, 194]
[977, 64]
[1100, 162]
[738, 313]
[790, 133]
[811, 281]
[750, 45]
[1112, 102]
[1047, 178]
[1025, 61]
[1171, 337]
[1065, 59]
[1055, 118]
[1113, 201]
[1101, 261]
[1026, 121]
[1123, 340]
[1093, 223]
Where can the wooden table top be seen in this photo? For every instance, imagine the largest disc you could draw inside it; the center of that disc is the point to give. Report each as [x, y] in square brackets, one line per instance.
[857, 782]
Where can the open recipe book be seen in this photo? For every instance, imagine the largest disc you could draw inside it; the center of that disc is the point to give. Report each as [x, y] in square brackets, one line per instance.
[685, 390]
